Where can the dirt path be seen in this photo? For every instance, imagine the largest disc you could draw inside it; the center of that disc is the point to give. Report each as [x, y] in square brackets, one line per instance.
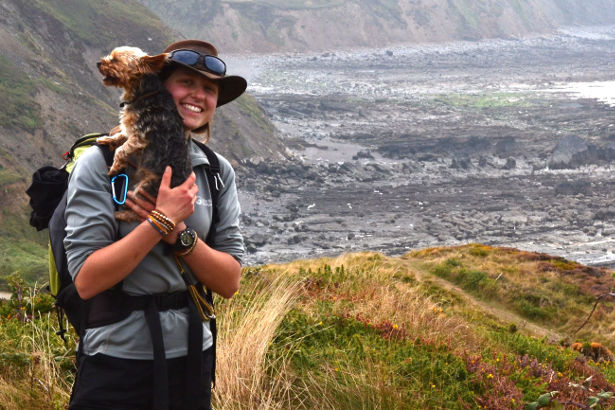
[502, 314]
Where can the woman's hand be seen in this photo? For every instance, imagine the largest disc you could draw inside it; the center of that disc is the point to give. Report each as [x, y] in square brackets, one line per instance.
[176, 203]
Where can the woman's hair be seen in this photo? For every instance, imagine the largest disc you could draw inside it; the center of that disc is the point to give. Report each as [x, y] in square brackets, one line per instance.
[164, 75]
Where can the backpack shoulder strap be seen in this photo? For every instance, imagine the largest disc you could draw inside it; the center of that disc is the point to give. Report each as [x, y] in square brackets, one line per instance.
[215, 184]
[107, 152]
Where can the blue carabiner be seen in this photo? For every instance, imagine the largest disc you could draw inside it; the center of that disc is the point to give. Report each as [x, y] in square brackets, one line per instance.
[123, 188]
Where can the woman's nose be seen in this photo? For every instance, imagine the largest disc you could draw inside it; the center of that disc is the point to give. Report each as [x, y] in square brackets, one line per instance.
[198, 92]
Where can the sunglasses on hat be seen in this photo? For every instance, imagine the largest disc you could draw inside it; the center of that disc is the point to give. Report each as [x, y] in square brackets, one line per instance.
[199, 61]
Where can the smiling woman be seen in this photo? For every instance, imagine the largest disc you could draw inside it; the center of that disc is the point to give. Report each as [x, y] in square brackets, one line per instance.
[155, 348]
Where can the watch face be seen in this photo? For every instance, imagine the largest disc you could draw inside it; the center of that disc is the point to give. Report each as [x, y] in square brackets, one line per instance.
[186, 238]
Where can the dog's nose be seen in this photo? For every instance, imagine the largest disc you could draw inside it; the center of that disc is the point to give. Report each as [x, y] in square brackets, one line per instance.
[98, 64]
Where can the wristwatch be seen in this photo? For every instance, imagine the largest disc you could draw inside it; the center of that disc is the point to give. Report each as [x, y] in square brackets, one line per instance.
[186, 241]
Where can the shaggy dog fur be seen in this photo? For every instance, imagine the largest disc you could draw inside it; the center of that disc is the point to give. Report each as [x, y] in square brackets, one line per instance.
[151, 133]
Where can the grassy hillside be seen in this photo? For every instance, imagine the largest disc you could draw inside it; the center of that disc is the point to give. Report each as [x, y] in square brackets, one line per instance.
[460, 327]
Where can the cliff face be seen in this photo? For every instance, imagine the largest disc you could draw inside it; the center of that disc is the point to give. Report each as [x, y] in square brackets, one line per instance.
[52, 92]
[313, 25]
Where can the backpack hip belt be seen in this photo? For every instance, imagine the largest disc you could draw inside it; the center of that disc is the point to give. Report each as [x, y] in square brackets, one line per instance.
[113, 306]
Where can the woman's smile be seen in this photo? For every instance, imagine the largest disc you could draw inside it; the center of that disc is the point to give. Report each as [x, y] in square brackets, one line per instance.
[192, 108]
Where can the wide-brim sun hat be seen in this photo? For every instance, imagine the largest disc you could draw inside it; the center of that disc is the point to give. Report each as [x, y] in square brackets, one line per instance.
[229, 87]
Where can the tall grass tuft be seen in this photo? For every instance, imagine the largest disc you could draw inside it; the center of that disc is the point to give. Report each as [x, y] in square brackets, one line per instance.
[247, 324]
[37, 369]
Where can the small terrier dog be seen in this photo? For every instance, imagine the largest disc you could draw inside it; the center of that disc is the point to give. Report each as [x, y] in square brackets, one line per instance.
[151, 133]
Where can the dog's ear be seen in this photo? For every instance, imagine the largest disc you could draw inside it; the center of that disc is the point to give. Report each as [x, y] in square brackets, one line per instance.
[154, 63]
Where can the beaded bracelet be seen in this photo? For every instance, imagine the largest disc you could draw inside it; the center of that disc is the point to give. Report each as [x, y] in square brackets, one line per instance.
[162, 231]
[163, 219]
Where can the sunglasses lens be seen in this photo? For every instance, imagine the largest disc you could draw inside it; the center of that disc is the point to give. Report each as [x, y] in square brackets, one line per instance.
[185, 57]
[215, 65]
[191, 58]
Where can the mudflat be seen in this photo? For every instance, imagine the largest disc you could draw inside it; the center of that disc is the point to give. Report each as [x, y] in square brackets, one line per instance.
[505, 142]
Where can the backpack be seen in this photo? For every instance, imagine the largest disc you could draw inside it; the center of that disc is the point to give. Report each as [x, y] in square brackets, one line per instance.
[47, 193]
[48, 201]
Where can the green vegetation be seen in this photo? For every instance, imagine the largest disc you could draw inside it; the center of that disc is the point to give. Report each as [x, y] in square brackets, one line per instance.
[292, 4]
[19, 109]
[483, 100]
[24, 258]
[37, 368]
[467, 11]
[23, 250]
[83, 19]
[9, 177]
[56, 87]
[519, 8]
[387, 10]
[365, 331]
[496, 277]
[248, 105]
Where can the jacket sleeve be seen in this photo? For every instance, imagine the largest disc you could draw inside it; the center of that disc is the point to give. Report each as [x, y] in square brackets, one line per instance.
[90, 222]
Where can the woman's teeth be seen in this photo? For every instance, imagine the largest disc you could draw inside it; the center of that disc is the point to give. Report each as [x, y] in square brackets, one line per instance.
[192, 108]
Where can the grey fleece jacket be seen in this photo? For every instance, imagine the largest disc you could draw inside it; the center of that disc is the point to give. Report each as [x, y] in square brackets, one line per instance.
[91, 226]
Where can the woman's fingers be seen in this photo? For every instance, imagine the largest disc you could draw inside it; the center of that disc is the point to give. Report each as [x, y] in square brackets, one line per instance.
[139, 210]
[142, 199]
[148, 197]
[178, 202]
[165, 182]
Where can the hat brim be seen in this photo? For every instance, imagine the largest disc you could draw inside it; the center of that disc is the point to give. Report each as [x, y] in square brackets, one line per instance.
[229, 87]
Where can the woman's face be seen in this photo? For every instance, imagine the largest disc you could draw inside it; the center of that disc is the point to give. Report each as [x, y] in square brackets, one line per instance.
[195, 96]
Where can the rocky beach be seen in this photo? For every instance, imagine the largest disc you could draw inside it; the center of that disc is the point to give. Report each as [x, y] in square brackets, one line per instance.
[505, 142]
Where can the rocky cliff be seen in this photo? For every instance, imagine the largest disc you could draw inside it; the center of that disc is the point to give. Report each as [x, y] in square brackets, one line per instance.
[316, 25]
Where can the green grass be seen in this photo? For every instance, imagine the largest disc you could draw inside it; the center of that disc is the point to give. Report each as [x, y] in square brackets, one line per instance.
[23, 250]
[292, 4]
[467, 11]
[490, 276]
[8, 177]
[339, 352]
[83, 19]
[248, 105]
[483, 101]
[39, 364]
[25, 258]
[19, 109]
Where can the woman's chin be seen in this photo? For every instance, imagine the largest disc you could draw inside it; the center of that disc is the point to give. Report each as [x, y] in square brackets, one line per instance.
[191, 123]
